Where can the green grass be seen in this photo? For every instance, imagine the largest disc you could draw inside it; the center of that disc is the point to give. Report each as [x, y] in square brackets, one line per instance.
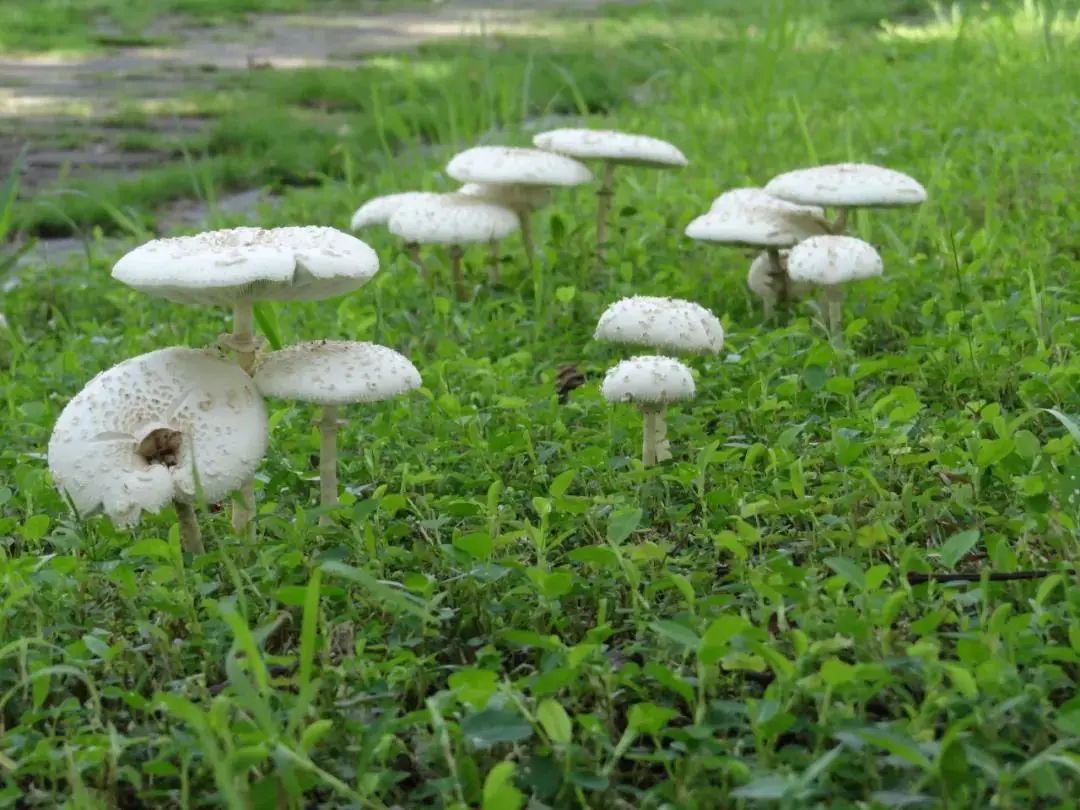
[507, 602]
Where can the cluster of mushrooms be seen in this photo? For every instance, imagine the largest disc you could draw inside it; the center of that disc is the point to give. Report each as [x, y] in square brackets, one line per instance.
[182, 425]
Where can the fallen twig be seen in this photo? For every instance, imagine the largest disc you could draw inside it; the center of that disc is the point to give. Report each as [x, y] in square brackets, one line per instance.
[918, 578]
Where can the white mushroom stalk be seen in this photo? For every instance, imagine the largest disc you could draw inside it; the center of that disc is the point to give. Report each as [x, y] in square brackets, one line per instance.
[160, 428]
[612, 148]
[378, 210]
[523, 200]
[333, 374]
[651, 382]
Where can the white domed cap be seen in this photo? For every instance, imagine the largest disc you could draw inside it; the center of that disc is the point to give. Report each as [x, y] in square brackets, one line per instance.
[329, 372]
[662, 323]
[377, 211]
[527, 198]
[830, 260]
[144, 432]
[511, 164]
[847, 185]
[219, 268]
[743, 198]
[760, 281]
[611, 146]
[648, 380]
[453, 219]
[756, 226]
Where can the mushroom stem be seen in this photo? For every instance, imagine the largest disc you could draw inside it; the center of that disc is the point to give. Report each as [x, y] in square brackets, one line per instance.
[455, 270]
[603, 205]
[413, 251]
[493, 263]
[779, 277]
[840, 224]
[663, 446]
[328, 480]
[654, 417]
[527, 238]
[243, 343]
[190, 535]
[834, 302]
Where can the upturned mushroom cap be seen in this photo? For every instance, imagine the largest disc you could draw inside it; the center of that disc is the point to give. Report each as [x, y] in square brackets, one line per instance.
[847, 185]
[755, 226]
[329, 372]
[648, 380]
[377, 211]
[220, 268]
[611, 146]
[828, 260]
[453, 219]
[662, 323]
[520, 198]
[511, 164]
[156, 428]
[760, 280]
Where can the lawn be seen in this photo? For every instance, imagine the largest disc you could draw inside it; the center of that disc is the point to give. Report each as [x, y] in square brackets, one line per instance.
[507, 606]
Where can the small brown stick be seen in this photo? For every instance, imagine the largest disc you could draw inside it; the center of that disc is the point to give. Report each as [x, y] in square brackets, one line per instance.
[918, 578]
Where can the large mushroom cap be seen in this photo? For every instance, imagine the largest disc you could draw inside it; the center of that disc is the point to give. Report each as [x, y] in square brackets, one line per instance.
[453, 219]
[828, 260]
[662, 323]
[156, 428]
[847, 185]
[520, 198]
[648, 380]
[749, 197]
[755, 227]
[511, 164]
[760, 280]
[219, 268]
[328, 372]
[611, 146]
[378, 210]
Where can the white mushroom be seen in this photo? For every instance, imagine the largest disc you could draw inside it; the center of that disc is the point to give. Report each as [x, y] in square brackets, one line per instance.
[761, 280]
[454, 220]
[378, 210]
[331, 374]
[829, 262]
[160, 427]
[668, 324]
[651, 382]
[613, 148]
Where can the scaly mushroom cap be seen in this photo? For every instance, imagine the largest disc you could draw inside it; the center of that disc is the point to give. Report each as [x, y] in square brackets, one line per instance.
[828, 260]
[743, 198]
[520, 198]
[220, 268]
[760, 280]
[753, 226]
[157, 428]
[670, 324]
[514, 165]
[328, 372]
[611, 146]
[453, 219]
[377, 211]
[847, 185]
[648, 380]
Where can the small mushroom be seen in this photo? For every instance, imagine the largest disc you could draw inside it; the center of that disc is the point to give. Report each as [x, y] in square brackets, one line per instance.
[761, 279]
[378, 210]
[332, 374]
[158, 428]
[612, 148]
[651, 382]
[829, 262]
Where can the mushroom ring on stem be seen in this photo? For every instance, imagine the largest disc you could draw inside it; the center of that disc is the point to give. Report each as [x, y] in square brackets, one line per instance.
[651, 382]
[164, 427]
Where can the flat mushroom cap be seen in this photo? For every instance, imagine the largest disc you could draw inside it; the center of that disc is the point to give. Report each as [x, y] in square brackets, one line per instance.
[157, 428]
[520, 198]
[648, 380]
[453, 219]
[847, 185]
[378, 210]
[670, 324]
[220, 268]
[329, 372]
[759, 279]
[828, 260]
[511, 164]
[750, 197]
[611, 146]
[756, 226]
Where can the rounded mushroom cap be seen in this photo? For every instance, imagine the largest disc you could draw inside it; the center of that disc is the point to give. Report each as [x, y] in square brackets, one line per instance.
[335, 372]
[749, 197]
[378, 210]
[828, 260]
[157, 428]
[520, 198]
[611, 146]
[760, 281]
[753, 226]
[453, 219]
[662, 323]
[219, 268]
[847, 185]
[648, 380]
[511, 164]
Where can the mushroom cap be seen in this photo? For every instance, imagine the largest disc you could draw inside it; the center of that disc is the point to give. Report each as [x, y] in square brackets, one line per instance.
[378, 210]
[759, 279]
[520, 198]
[453, 219]
[611, 146]
[648, 380]
[847, 185]
[219, 268]
[750, 197]
[671, 324]
[512, 164]
[756, 226]
[209, 406]
[335, 372]
[828, 260]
